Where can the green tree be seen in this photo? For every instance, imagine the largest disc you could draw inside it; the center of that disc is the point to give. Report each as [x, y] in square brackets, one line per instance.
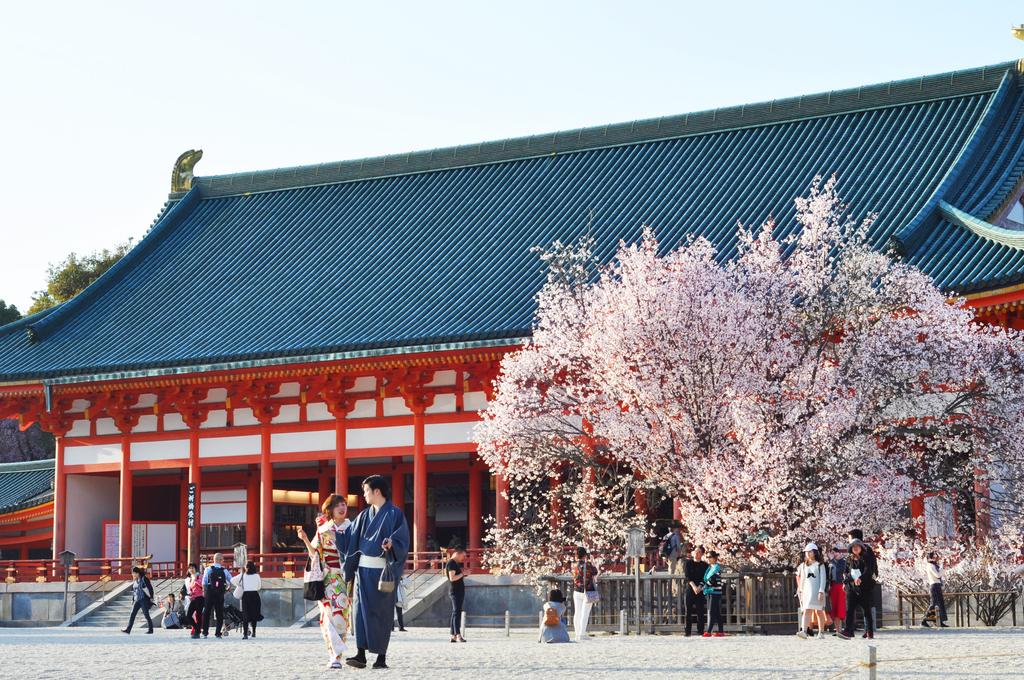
[70, 277]
[8, 313]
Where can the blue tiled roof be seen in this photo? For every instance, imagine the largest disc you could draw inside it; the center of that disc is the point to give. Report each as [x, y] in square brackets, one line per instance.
[434, 247]
[25, 485]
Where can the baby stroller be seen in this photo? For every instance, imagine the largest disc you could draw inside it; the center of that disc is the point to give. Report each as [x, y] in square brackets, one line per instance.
[232, 618]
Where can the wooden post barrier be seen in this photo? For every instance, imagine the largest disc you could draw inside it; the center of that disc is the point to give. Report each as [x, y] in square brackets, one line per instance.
[622, 622]
[869, 665]
[508, 624]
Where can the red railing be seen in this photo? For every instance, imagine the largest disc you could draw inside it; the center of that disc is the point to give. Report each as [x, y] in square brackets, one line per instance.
[270, 565]
[82, 569]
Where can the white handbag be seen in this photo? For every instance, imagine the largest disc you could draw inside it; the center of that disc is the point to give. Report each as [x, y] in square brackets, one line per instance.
[240, 588]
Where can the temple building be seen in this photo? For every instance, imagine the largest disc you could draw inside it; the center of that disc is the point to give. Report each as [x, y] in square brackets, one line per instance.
[278, 335]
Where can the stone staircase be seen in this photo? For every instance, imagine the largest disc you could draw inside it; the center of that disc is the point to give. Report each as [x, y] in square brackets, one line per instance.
[115, 612]
[425, 587]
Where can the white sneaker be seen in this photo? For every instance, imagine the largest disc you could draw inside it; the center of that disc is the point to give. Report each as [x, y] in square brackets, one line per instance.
[802, 635]
[820, 635]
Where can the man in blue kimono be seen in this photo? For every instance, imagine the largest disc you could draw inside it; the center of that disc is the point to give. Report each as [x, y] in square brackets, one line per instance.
[379, 536]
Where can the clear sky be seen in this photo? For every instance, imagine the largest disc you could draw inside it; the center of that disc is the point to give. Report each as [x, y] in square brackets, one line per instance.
[98, 99]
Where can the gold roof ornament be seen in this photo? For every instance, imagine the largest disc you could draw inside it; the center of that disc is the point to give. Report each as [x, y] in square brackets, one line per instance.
[1018, 32]
[181, 176]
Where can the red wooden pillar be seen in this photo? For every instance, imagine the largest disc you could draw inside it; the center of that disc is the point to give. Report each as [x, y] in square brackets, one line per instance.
[325, 484]
[556, 502]
[982, 506]
[677, 510]
[917, 513]
[194, 477]
[60, 497]
[419, 484]
[640, 502]
[501, 502]
[475, 508]
[23, 552]
[266, 492]
[398, 489]
[125, 505]
[252, 510]
[182, 517]
[340, 457]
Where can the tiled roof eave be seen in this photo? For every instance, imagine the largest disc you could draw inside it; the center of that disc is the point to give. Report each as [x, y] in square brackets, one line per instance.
[838, 102]
[913, 234]
[249, 361]
[990, 232]
[33, 502]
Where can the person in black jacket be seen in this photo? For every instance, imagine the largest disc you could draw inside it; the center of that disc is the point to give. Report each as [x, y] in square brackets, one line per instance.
[693, 597]
[875, 600]
[859, 580]
[142, 592]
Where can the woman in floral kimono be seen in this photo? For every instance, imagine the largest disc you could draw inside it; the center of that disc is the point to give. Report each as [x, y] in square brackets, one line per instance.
[330, 544]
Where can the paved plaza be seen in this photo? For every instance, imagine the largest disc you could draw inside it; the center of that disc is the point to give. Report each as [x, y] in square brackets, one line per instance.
[489, 655]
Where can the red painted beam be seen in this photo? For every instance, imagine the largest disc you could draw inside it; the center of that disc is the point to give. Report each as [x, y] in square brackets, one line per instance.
[125, 506]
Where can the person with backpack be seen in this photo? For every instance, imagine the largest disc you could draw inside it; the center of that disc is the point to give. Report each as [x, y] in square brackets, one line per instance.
[215, 584]
[552, 628]
[713, 593]
[933, 575]
[859, 581]
[196, 601]
[672, 551]
[584, 592]
[142, 594]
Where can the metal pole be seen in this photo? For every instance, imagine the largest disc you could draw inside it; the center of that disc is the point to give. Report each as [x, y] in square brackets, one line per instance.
[622, 622]
[463, 626]
[508, 624]
[65, 593]
[636, 569]
[869, 665]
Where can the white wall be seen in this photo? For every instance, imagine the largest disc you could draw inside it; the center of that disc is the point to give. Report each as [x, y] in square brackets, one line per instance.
[91, 500]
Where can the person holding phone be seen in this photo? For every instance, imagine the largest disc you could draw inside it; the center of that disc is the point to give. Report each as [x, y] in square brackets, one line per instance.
[456, 591]
[859, 581]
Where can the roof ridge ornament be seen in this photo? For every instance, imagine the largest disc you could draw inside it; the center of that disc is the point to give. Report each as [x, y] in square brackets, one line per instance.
[181, 176]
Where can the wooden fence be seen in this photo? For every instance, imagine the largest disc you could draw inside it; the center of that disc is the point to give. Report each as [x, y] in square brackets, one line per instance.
[987, 607]
[751, 601]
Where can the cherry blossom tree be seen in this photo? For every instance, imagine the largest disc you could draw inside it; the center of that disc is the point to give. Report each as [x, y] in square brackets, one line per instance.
[807, 385]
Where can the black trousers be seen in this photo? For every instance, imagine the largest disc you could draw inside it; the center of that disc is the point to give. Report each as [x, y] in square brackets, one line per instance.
[143, 606]
[194, 615]
[696, 606]
[398, 613]
[858, 598]
[214, 605]
[715, 613]
[937, 608]
[457, 598]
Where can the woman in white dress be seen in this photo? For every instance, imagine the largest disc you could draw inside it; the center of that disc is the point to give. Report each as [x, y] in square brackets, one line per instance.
[812, 589]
